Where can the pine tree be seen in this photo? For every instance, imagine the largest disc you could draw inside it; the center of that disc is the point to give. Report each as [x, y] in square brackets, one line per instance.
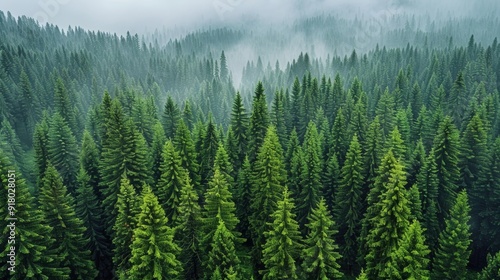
[35, 257]
[340, 143]
[446, 150]
[259, 120]
[127, 208]
[453, 253]
[492, 270]
[222, 257]
[348, 205]
[389, 224]
[62, 105]
[184, 144]
[222, 163]
[239, 127]
[281, 251]
[269, 177]
[89, 163]
[125, 151]
[172, 180]
[310, 175]
[157, 259]
[218, 205]
[187, 234]
[89, 210]
[320, 254]
[410, 260]
[427, 182]
[473, 153]
[63, 151]
[68, 229]
[278, 116]
[332, 184]
[170, 118]
[159, 140]
[210, 144]
[224, 72]
[242, 198]
[385, 110]
[41, 147]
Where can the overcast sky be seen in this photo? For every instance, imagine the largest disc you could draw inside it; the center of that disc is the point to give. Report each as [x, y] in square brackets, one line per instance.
[139, 16]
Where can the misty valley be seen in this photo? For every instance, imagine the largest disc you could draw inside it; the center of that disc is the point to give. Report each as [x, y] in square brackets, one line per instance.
[358, 143]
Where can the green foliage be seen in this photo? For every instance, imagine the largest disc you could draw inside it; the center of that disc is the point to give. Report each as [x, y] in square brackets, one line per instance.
[389, 224]
[127, 208]
[222, 258]
[184, 144]
[172, 180]
[68, 229]
[63, 151]
[259, 120]
[348, 205]
[281, 251]
[170, 118]
[492, 270]
[188, 227]
[453, 253]
[320, 254]
[157, 259]
[410, 260]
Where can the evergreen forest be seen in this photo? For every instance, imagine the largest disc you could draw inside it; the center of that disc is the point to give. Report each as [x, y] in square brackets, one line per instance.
[325, 152]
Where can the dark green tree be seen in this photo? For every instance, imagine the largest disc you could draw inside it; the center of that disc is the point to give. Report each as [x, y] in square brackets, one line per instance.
[159, 140]
[170, 118]
[348, 205]
[68, 229]
[157, 259]
[320, 254]
[410, 260]
[184, 144]
[223, 258]
[281, 251]
[259, 120]
[237, 148]
[453, 253]
[492, 269]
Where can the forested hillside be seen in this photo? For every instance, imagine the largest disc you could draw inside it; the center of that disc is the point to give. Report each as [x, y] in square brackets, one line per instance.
[252, 153]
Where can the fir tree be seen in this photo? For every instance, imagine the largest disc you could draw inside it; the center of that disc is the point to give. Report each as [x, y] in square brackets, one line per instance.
[210, 144]
[172, 180]
[492, 269]
[170, 118]
[89, 211]
[310, 175]
[268, 181]
[41, 147]
[184, 144]
[63, 151]
[34, 244]
[410, 260]
[68, 229]
[446, 150]
[281, 251]
[127, 208]
[259, 120]
[237, 149]
[348, 204]
[223, 258]
[389, 224]
[453, 253]
[320, 254]
[153, 260]
[89, 163]
[188, 237]
[159, 140]
[242, 198]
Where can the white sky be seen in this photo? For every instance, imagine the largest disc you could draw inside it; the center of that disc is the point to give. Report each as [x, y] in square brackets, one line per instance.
[138, 16]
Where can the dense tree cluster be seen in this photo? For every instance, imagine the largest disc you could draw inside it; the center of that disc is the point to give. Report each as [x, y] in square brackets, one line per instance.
[384, 165]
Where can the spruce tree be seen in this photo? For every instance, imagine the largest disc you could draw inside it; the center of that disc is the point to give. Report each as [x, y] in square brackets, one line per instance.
[157, 259]
[222, 257]
[184, 144]
[159, 140]
[63, 151]
[389, 224]
[446, 150]
[187, 235]
[222, 163]
[242, 198]
[170, 118]
[410, 260]
[492, 269]
[310, 182]
[259, 120]
[41, 147]
[281, 251]
[320, 254]
[237, 149]
[172, 180]
[206, 157]
[89, 163]
[34, 244]
[89, 210]
[269, 177]
[453, 253]
[127, 208]
[68, 229]
[348, 204]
